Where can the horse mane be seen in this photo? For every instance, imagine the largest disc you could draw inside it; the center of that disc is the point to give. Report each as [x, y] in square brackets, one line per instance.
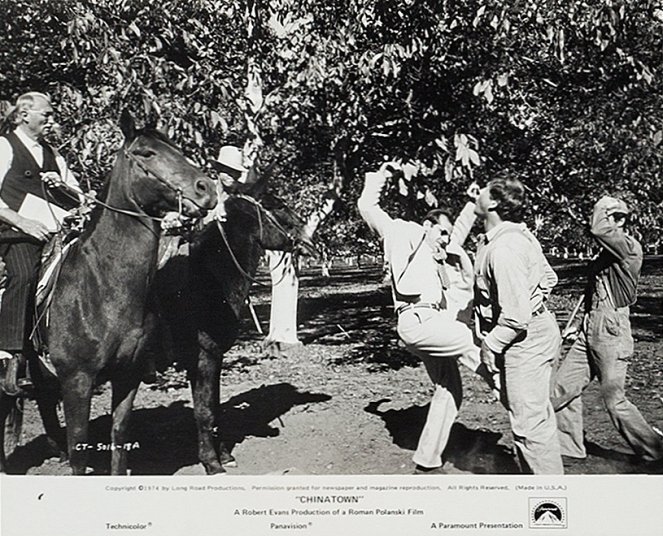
[159, 135]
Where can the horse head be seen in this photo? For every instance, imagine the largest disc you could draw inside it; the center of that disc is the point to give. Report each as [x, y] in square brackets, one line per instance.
[158, 177]
[270, 222]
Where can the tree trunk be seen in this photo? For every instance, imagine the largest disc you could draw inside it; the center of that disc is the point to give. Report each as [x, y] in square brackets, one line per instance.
[282, 336]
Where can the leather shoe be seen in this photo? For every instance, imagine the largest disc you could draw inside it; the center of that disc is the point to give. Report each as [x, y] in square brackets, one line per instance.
[421, 470]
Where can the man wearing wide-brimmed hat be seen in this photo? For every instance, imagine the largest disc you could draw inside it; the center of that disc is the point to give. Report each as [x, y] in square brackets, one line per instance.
[605, 344]
[230, 165]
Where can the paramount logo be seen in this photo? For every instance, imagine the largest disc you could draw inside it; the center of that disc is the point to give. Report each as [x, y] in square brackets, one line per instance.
[547, 513]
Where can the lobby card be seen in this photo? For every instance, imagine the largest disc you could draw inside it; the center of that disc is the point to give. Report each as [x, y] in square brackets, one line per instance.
[332, 505]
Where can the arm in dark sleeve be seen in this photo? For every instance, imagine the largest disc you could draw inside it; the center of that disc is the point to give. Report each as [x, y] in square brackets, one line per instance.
[606, 233]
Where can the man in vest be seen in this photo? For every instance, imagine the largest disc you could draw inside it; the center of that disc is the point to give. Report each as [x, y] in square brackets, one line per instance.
[605, 344]
[29, 168]
[417, 258]
[520, 336]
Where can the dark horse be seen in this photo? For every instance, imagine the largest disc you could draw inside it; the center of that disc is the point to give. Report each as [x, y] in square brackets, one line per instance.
[99, 314]
[203, 313]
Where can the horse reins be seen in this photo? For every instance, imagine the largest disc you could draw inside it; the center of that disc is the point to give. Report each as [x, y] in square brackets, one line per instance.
[233, 257]
[150, 172]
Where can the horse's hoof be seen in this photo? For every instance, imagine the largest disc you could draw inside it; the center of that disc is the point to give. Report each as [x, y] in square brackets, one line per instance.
[227, 460]
[215, 470]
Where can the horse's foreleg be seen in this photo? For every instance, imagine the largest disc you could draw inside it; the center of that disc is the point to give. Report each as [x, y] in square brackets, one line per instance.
[77, 396]
[205, 389]
[6, 402]
[55, 435]
[123, 401]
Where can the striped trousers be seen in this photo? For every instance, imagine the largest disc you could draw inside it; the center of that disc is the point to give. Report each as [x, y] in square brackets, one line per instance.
[22, 261]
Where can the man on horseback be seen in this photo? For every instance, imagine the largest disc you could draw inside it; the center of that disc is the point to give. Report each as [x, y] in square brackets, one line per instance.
[29, 168]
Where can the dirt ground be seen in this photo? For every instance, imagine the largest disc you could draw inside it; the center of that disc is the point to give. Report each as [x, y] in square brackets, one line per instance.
[351, 400]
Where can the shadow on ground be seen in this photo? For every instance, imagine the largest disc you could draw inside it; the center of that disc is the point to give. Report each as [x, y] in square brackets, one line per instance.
[478, 451]
[167, 435]
[471, 450]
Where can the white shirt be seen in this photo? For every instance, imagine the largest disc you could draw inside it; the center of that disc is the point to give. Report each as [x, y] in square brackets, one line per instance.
[413, 268]
[37, 152]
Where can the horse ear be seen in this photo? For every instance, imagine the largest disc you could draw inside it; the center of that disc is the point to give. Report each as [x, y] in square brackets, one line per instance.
[258, 187]
[258, 182]
[127, 125]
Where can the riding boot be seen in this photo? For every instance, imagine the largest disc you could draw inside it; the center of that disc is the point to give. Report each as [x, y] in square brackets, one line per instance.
[24, 381]
[11, 366]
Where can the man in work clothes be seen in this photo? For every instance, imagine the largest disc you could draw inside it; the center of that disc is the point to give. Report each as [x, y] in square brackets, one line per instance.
[428, 330]
[28, 165]
[520, 336]
[605, 344]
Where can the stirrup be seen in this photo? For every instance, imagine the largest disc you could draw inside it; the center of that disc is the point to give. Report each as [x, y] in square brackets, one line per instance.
[10, 385]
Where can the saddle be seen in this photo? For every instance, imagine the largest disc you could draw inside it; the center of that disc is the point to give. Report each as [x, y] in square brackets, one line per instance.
[52, 257]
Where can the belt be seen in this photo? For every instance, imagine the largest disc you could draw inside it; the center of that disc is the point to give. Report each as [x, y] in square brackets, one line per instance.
[408, 306]
[542, 309]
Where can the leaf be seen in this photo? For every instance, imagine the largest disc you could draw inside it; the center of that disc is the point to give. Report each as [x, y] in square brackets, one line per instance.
[478, 88]
[403, 187]
[474, 157]
[430, 198]
[215, 118]
[198, 137]
[441, 143]
[410, 170]
[488, 94]
[658, 137]
[134, 29]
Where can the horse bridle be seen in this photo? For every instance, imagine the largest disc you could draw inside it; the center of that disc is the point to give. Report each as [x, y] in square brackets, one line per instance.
[74, 193]
[163, 180]
[259, 207]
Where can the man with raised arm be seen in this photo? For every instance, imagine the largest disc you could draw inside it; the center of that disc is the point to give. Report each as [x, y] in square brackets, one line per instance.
[421, 283]
[29, 169]
[520, 336]
[605, 344]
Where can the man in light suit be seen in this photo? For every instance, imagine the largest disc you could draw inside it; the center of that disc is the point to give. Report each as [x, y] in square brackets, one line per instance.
[426, 261]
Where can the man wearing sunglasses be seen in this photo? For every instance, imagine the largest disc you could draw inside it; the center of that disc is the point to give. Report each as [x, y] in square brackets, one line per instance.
[428, 273]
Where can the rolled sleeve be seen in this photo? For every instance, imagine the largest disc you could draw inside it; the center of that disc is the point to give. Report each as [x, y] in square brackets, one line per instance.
[463, 224]
[369, 204]
[608, 235]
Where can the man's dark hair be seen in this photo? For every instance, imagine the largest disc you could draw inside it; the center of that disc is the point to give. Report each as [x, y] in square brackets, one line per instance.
[434, 215]
[510, 196]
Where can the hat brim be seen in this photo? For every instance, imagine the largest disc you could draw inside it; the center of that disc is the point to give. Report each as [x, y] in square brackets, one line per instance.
[220, 166]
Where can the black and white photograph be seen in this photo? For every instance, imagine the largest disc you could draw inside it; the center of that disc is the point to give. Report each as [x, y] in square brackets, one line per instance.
[341, 247]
